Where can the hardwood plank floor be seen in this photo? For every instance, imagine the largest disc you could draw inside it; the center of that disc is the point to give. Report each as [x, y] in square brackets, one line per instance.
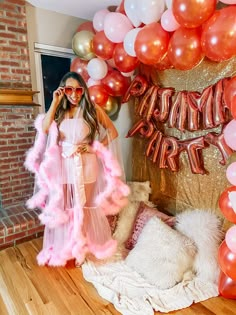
[28, 289]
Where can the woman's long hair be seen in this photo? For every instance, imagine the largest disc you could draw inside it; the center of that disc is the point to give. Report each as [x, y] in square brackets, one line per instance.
[88, 108]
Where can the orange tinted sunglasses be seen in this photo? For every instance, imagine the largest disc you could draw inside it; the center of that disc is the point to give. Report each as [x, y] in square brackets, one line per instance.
[70, 90]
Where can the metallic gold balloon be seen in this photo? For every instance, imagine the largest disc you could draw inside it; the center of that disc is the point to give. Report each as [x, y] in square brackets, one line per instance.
[112, 107]
[82, 45]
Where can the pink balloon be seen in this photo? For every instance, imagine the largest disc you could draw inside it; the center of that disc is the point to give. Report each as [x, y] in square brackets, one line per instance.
[231, 173]
[98, 19]
[230, 134]
[230, 239]
[168, 21]
[116, 26]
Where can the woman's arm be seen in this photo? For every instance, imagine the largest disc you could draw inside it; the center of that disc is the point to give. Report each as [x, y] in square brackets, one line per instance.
[105, 121]
[49, 117]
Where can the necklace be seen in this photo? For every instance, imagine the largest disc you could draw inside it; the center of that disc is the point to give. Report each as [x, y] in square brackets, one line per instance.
[72, 112]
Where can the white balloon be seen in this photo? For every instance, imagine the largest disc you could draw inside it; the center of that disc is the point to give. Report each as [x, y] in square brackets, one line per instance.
[97, 69]
[168, 21]
[169, 4]
[129, 41]
[131, 11]
[150, 11]
[92, 82]
[98, 19]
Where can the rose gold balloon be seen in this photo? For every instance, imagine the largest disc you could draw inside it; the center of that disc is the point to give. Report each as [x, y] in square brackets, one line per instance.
[226, 205]
[227, 286]
[193, 111]
[219, 114]
[98, 95]
[154, 145]
[194, 148]
[219, 35]
[219, 141]
[164, 64]
[174, 110]
[184, 50]
[227, 261]
[169, 154]
[142, 127]
[115, 83]
[193, 13]
[137, 87]
[151, 44]
[183, 112]
[80, 66]
[102, 46]
[145, 101]
[152, 103]
[206, 107]
[165, 101]
[229, 91]
[123, 61]
[86, 26]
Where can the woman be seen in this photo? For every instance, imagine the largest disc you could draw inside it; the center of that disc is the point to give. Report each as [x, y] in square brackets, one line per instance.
[79, 181]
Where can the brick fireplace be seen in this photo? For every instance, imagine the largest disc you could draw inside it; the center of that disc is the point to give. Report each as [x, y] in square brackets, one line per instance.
[17, 113]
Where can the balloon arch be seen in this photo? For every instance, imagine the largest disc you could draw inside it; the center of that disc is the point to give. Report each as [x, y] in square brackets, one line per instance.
[161, 34]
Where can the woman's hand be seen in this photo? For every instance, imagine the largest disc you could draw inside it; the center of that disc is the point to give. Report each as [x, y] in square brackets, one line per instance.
[84, 148]
[58, 95]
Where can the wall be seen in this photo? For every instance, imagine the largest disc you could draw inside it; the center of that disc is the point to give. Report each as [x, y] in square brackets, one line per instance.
[50, 28]
[17, 113]
[14, 53]
[55, 29]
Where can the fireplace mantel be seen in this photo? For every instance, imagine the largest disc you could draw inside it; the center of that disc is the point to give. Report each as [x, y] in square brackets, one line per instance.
[17, 97]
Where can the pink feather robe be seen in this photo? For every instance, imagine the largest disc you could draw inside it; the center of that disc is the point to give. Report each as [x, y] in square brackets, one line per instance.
[75, 192]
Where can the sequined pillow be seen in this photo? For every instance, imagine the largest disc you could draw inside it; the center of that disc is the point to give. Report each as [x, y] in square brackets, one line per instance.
[144, 213]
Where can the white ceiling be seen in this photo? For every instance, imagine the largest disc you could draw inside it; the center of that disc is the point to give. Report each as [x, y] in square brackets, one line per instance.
[84, 9]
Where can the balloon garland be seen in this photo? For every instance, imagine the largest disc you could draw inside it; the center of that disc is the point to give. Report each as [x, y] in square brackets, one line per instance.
[159, 33]
[162, 34]
[227, 204]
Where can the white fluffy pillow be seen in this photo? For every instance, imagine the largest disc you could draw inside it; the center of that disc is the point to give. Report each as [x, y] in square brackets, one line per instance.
[205, 229]
[162, 255]
[139, 191]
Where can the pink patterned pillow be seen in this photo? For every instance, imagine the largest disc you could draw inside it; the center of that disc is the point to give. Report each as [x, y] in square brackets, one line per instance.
[143, 215]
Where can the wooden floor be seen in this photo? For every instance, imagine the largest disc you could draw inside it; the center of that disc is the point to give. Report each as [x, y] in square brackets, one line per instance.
[26, 288]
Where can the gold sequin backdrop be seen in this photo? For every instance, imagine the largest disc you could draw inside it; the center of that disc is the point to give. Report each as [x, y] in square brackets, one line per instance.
[175, 192]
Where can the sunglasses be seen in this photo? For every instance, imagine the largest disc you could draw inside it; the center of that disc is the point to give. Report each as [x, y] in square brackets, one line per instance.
[69, 90]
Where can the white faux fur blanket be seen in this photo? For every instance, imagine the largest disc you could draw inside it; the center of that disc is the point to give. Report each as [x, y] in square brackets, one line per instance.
[132, 294]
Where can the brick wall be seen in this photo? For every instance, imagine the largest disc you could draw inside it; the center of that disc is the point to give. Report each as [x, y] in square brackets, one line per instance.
[17, 224]
[14, 53]
[16, 134]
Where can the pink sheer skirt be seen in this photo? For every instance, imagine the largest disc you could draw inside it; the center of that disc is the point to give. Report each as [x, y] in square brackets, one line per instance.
[87, 229]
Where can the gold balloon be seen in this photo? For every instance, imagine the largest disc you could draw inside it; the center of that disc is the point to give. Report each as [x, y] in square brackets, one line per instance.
[82, 45]
[112, 107]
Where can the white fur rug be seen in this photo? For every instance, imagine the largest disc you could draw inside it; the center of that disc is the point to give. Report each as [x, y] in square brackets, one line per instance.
[123, 284]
